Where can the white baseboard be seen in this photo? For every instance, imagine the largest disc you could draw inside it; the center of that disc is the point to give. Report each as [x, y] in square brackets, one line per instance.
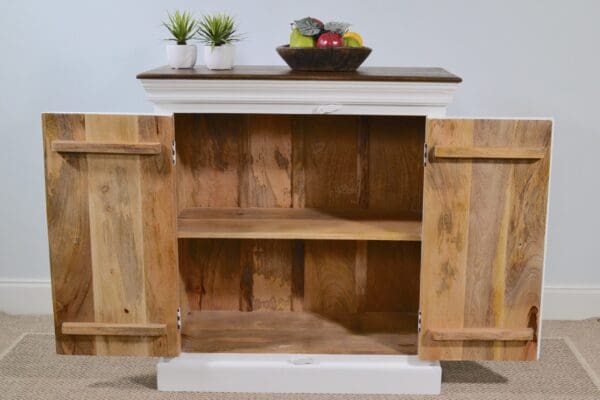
[571, 303]
[25, 297]
[34, 297]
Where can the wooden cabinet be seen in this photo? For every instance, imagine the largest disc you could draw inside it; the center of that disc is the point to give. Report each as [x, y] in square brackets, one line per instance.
[297, 233]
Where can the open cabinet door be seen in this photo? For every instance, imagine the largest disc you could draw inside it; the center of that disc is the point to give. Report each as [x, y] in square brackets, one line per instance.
[112, 233]
[484, 224]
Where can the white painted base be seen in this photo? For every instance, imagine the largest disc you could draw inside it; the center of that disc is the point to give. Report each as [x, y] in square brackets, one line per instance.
[298, 373]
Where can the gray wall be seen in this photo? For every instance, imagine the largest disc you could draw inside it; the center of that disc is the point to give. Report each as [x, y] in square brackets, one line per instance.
[517, 59]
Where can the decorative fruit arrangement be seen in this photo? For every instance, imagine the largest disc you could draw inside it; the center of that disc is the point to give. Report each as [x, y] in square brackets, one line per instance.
[312, 32]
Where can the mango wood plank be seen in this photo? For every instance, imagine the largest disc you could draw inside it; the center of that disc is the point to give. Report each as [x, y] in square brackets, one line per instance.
[190, 275]
[392, 282]
[298, 161]
[396, 163]
[208, 160]
[330, 161]
[268, 266]
[329, 277]
[297, 284]
[265, 181]
[299, 332]
[219, 263]
[117, 233]
[209, 163]
[516, 153]
[68, 232]
[72, 146]
[266, 159]
[282, 223]
[483, 238]
[107, 329]
[158, 206]
[395, 185]
[487, 334]
[125, 212]
[526, 232]
[361, 273]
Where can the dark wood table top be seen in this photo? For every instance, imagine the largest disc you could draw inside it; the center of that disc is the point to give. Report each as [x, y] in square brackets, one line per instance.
[273, 72]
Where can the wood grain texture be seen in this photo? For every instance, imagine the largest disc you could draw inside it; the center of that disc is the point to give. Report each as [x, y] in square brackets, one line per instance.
[221, 274]
[331, 171]
[117, 233]
[299, 332]
[68, 232]
[269, 267]
[272, 72]
[330, 161]
[190, 257]
[330, 277]
[393, 276]
[108, 329]
[293, 178]
[266, 182]
[483, 238]
[72, 146]
[297, 223]
[396, 163]
[266, 162]
[395, 185]
[482, 334]
[514, 153]
[209, 160]
[158, 205]
[129, 261]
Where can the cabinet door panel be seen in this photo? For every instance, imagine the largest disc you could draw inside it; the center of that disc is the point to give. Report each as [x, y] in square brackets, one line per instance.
[484, 223]
[112, 234]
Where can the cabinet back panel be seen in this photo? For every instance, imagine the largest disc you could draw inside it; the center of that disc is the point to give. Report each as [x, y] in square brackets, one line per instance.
[300, 161]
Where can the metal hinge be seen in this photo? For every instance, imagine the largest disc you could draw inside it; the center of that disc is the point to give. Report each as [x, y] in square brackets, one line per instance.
[174, 152]
[179, 318]
[419, 323]
[425, 155]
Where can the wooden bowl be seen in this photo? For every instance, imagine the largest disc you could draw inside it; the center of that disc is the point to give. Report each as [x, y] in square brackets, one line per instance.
[324, 59]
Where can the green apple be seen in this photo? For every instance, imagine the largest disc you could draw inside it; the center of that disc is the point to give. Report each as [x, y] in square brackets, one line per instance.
[351, 42]
[299, 40]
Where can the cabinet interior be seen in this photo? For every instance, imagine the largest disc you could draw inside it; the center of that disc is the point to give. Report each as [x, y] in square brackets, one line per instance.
[299, 234]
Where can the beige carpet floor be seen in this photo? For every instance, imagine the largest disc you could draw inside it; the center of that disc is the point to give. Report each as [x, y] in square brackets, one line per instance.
[569, 369]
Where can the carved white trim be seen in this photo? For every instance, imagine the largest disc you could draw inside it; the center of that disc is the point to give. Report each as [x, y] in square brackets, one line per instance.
[299, 97]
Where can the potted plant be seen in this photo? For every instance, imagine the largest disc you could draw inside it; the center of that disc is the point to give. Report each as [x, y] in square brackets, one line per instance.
[218, 33]
[183, 27]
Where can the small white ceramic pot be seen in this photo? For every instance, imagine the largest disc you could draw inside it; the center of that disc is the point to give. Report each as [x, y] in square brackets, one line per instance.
[181, 55]
[219, 57]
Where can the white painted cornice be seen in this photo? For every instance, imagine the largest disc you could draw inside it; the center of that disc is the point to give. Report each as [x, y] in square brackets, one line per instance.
[299, 97]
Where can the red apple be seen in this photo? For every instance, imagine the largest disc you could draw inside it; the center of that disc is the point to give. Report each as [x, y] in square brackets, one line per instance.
[330, 39]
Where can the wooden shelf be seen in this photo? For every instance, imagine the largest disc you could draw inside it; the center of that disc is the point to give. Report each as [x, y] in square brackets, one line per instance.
[297, 223]
[299, 332]
[274, 72]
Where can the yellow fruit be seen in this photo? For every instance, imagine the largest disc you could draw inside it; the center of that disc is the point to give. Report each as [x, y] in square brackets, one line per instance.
[353, 39]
